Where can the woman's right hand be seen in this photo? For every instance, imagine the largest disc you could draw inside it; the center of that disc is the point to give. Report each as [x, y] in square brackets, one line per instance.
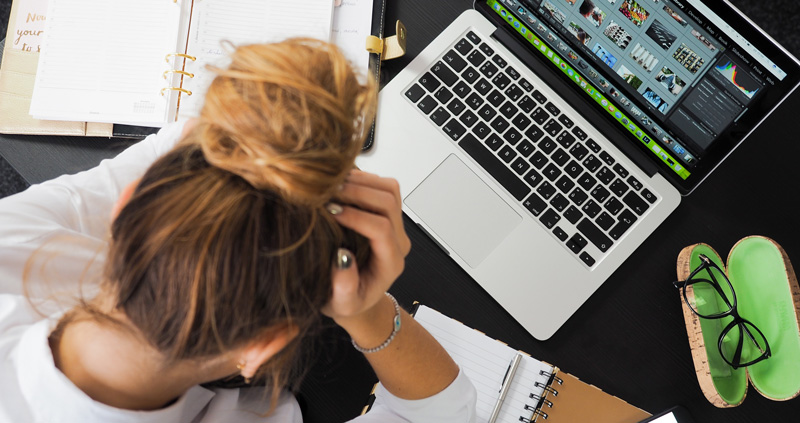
[371, 206]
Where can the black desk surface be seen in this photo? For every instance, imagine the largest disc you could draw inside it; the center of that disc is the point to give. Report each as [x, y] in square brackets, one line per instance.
[628, 338]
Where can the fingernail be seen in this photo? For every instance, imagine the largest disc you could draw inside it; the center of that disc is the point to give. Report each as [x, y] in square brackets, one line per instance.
[344, 258]
[334, 208]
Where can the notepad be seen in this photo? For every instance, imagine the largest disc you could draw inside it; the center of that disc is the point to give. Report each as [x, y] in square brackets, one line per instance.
[538, 391]
[144, 62]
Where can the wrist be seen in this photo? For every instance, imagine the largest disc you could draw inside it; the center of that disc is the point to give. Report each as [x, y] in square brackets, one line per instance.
[373, 329]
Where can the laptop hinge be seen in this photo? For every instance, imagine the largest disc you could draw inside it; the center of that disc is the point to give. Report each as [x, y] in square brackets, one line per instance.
[591, 114]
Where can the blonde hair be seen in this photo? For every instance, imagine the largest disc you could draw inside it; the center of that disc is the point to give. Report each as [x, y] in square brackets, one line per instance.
[226, 236]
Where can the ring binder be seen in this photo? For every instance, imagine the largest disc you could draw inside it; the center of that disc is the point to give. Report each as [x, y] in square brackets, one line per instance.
[184, 55]
[551, 376]
[180, 72]
[542, 400]
[183, 90]
[547, 388]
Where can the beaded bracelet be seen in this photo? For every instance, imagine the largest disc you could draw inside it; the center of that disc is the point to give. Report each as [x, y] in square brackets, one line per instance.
[395, 329]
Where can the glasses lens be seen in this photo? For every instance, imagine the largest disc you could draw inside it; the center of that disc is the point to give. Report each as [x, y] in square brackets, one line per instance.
[713, 294]
[743, 345]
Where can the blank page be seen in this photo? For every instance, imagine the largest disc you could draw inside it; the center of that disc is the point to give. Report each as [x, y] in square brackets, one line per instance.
[485, 361]
[103, 60]
[245, 22]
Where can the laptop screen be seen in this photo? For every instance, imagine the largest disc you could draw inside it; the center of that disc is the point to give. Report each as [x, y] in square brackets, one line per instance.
[677, 77]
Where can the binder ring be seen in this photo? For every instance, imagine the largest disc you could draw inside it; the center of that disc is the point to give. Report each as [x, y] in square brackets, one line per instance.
[541, 413]
[180, 72]
[185, 56]
[553, 375]
[185, 91]
[546, 388]
[535, 413]
[544, 401]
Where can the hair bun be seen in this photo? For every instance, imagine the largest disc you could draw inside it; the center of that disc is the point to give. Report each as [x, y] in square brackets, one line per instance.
[289, 116]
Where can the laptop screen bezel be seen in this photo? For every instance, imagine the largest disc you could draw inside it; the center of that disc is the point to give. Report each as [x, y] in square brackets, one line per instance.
[758, 111]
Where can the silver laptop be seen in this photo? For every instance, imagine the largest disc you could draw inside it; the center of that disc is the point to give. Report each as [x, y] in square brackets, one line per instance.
[540, 142]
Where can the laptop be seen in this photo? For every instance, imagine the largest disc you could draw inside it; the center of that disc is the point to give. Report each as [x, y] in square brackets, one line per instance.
[540, 142]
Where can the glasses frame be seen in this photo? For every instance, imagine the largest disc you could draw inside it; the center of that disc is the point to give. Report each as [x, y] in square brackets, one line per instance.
[738, 320]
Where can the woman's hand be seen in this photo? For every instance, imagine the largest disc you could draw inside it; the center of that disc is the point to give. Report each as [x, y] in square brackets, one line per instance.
[371, 206]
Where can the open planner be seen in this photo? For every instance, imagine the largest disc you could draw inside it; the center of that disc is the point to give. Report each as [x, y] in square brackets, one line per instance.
[144, 62]
[536, 392]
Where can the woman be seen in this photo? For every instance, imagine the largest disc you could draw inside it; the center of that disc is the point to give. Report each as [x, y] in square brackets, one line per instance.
[229, 237]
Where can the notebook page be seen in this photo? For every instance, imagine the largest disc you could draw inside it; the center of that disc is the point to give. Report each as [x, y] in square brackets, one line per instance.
[245, 22]
[352, 24]
[485, 361]
[103, 61]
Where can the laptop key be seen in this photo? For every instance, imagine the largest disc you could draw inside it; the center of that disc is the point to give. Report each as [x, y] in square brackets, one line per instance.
[592, 163]
[560, 157]
[539, 116]
[512, 73]
[649, 196]
[473, 37]
[486, 49]
[550, 218]
[621, 171]
[533, 178]
[488, 70]
[474, 101]
[496, 98]
[494, 142]
[486, 113]
[470, 75]
[429, 82]
[576, 243]
[481, 130]
[591, 208]
[560, 234]
[604, 156]
[565, 184]
[527, 104]
[578, 196]
[514, 93]
[503, 175]
[613, 205]
[520, 122]
[550, 107]
[624, 222]
[499, 124]
[586, 258]
[453, 129]
[539, 160]
[538, 96]
[578, 132]
[551, 172]
[483, 86]
[476, 58]
[567, 122]
[443, 95]
[520, 165]
[565, 139]
[600, 194]
[593, 145]
[586, 181]
[595, 235]
[507, 154]
[527, 86]
[462, 89]
[525, 148]
[552, 127]
[454, 60]
[534, 133]
[427, 104]
[547, 145]
[499, 61]
[440, 116]
[618, 187]
[573, 169]
[605, 175]
[415, 93]
[501, 81]
[635, 202]
[634, 183]
[578, 151]
[605, 221]
[546, 190]
[468, 118]
[508, 109]
[512, 136]
[444, 73]
[535, 204]
[456, 107]
[559, 202]
[573, 215]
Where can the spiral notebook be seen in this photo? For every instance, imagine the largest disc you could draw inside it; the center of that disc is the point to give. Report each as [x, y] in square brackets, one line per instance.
[537, 391]
[144, 62]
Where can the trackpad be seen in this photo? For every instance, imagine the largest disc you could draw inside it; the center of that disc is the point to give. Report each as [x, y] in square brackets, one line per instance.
[463, 211]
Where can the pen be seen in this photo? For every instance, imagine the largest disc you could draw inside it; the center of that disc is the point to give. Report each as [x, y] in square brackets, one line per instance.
[512, 368]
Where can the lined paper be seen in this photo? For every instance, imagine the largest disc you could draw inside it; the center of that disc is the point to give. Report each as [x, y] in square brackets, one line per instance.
[352, 24]
[485, 361]
[245, 22]
[102, 60]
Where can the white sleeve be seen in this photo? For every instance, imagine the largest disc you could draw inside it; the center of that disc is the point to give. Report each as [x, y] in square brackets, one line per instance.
[70, 215]
[455, 404]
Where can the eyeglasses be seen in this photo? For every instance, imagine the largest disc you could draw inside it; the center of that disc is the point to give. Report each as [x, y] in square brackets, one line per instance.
[740, 343]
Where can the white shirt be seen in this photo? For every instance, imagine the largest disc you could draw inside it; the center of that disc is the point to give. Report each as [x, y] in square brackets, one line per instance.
[65, 222]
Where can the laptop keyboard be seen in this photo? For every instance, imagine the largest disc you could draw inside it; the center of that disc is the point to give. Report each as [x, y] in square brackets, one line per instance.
[565, 179]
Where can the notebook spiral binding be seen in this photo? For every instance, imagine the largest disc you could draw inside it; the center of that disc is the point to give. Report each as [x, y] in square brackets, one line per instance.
[180, 72]
[541, 400]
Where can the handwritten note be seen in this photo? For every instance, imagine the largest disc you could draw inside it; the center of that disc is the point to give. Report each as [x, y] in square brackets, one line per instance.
[29, 26]
[352, 24]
